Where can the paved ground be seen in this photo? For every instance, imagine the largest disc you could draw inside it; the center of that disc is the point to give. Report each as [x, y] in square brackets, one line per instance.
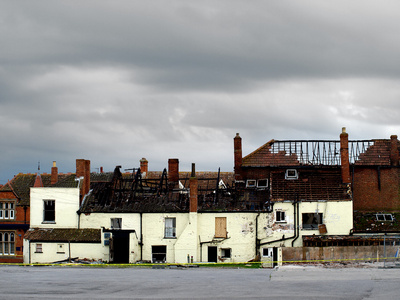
[127, 283]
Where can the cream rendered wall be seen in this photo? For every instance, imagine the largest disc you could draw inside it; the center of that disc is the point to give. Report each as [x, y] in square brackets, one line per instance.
[240, 235]
[177, 248]
[337, 216]
[66, 206]
[130, 221]
[50, 252]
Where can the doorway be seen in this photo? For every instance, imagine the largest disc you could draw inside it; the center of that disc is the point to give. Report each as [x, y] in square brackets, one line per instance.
[212, 254]
[119, 247]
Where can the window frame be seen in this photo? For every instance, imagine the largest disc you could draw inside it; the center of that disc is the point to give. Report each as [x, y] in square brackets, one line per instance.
[7, 243]
[224, 252]
[7, 210]
[251, 183]
[289, 176]
[116, 221]
[170, 229]
[48, 213]
[38, 248]
[312, 226]
[280, 213]
[221, 227]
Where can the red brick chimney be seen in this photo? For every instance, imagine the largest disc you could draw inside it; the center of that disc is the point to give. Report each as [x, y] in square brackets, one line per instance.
[101, 170]
[344, 156]
[144, 166]
[193, 186]
[237, 145]
[394, 151]
[173, 170]
[83, 170]
[54, 174]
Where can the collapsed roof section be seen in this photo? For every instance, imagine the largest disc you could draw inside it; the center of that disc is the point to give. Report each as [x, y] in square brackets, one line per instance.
[156, 192]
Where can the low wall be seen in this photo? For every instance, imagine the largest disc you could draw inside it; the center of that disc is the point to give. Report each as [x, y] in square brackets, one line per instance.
[339, 253]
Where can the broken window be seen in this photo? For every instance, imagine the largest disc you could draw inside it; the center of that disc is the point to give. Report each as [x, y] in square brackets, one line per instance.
[250, 183]
[220, 227]
[170, 228]
[226, 253]
[311, 220]
[262, 183]
[291, 174]
[384, 217]
[49, 212]
[280, 216]
[7, 243]
[39, 248]
[158, 254]
[7, 210]
[116, 223]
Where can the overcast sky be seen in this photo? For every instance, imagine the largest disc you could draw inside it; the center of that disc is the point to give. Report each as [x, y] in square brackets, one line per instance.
[115, 81]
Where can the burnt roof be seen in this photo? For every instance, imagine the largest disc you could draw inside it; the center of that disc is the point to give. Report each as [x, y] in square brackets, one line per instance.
[293, 153]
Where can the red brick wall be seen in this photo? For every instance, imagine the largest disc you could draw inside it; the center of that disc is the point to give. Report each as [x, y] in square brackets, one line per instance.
[366, 193]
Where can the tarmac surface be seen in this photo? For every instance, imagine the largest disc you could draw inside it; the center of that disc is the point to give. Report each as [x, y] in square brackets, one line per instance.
[288, 282]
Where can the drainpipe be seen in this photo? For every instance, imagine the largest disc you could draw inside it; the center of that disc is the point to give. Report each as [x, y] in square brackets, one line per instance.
[298, 223]
[257, 239]
[141, 237]
[295, 236]
[79, 219]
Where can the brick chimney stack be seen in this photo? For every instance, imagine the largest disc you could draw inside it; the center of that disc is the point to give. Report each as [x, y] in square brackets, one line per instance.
[83, 170]
[237, 145]
[144, 166]
[193, 186]
[173, 170]
[344, 156]
[54, 174]
[394, 151]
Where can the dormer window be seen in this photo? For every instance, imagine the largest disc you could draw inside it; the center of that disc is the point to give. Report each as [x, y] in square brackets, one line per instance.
[384, 217]
[291, 174]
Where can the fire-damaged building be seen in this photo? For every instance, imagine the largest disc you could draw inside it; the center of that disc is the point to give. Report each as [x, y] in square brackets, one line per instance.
[284, 195]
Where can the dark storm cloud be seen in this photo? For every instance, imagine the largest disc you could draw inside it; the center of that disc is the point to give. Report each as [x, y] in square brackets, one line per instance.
[117, 81]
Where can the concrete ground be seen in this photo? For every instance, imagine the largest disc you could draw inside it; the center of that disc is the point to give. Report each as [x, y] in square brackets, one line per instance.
[289, 282]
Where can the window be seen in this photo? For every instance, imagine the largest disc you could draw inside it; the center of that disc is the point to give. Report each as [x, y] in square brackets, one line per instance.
[291, 174]
[311, 220]
[158, 254]
[7, 243]
[220, 227]
[60, 248]
[225, 253]
[384, 217]
[39, 248]
[262, 183]
[49, 212]
[170, 228]
[7, 210]
[250, 183]
[280, 216]
[116, 223]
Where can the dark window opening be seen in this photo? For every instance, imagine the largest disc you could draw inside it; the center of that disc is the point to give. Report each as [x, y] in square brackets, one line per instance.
[116, 223]
[291, 174]
[311, 220]
[159, 254]
[226, 253]
[49, 212]
[280, 216]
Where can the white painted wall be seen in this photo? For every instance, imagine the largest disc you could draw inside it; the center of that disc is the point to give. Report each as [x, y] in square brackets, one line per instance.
[66, 206]
[51, 252]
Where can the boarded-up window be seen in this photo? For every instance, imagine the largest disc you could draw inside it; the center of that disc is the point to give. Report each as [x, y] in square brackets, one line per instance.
[220, 227]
